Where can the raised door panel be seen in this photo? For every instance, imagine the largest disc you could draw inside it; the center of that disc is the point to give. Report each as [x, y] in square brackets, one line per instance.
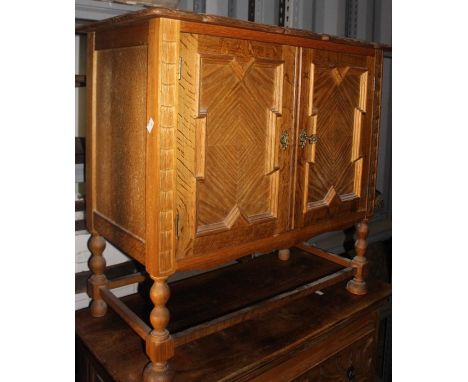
[334, 124]
[234, 164]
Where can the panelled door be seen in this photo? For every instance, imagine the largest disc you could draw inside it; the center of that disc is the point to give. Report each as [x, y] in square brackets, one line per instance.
[234, 152]
[333, 136]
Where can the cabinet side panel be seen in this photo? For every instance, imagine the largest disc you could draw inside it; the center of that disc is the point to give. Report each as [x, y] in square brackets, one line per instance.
[120, 144]
[91, 133]
[377, 100]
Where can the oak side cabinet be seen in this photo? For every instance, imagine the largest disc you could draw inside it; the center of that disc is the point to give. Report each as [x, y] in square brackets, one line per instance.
[209, 139]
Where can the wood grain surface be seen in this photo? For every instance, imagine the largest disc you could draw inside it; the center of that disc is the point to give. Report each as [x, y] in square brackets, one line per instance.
[374, 141]
[235, 100]
[161, 146]
[261, 279]
[353, 363]
[254, 346]
[336, 105]
[211, 181]
[195, 158]
[213, 20]
[90, 167]
[119, 147]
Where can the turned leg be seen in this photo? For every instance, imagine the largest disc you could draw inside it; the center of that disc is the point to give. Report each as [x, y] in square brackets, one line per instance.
[97, 264]
[284, 254]
[159, 343]
[357, 285]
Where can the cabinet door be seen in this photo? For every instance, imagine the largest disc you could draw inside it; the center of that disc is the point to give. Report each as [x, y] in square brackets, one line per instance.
[335, 123]
[234, 142]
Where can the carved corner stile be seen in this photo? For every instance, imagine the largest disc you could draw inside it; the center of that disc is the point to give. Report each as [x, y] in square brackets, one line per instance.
[163, 66]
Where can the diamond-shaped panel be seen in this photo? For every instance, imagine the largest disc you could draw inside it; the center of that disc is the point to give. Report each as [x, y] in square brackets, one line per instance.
[237, 126]
[337, 94]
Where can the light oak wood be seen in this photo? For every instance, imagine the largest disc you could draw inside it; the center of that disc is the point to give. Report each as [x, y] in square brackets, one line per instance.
[282, 240]
[333, 170]
[120, 137]
[118, 235]
[135, 322]
[116, 160]
[161, 146]
[269, 36]
[90, 166]
[159, 343]
[216, 182]
[284, 254]
[97, 265]
[210, 139]
[163, 50]
[124, 36]
[324, 254]
[206, 21]
[113, 273]
[358, 285]
[126, 280]
[234, 180]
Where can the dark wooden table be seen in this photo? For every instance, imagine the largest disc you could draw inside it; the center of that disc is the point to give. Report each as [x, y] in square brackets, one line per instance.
[287, 341]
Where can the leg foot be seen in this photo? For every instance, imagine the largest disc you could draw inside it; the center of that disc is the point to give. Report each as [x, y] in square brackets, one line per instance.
[158, 373]
[358, 285]
[159, 343]
[97, 264]
[284, 254]
[98, 308]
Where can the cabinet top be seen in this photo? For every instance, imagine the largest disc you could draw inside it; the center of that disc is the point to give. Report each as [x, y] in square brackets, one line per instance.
[156, 12]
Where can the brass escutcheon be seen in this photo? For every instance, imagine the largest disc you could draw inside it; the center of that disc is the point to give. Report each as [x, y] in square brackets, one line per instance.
[304, 138]
[284, 140]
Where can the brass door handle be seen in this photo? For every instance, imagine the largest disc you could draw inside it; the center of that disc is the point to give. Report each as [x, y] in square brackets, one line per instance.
[304, 138]
[284, 140]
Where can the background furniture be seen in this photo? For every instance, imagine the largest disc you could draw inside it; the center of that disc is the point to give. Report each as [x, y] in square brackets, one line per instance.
[330, 336]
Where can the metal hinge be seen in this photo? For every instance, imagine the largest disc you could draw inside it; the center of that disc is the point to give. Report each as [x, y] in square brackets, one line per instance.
[181, 61]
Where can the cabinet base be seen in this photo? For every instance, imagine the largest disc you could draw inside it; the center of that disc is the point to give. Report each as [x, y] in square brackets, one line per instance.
[151, 374]
[357, 287]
